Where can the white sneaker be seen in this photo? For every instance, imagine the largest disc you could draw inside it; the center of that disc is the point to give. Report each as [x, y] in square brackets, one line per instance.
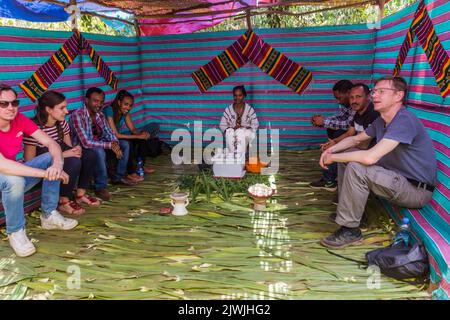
[55, 221]
[20, 243]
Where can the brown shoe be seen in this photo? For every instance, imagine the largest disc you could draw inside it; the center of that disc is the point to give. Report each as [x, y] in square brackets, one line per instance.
[103, 194]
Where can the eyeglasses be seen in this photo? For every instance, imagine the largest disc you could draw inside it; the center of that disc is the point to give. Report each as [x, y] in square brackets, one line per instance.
[6, 104]
[381, 90]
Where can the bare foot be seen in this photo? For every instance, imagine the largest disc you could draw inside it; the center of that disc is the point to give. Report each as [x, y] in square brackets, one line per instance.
[71, 207]
[135, 177]
[91, 201]
[148, 170]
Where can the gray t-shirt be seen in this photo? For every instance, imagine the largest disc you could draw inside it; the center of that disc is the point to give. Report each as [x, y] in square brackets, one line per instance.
[414, 157]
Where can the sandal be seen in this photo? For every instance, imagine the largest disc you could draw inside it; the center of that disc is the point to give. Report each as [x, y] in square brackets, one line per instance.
[148, 170]
[135, 177]
[74, 208]
[85, 198]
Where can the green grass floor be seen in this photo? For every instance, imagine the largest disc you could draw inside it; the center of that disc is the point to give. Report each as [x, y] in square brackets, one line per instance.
[126, 250]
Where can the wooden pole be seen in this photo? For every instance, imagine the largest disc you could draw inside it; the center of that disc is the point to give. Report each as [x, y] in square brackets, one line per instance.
[381, 4]
[102, 16]
[136, 28]
[73, 15]
[249, 21]
[294, 14]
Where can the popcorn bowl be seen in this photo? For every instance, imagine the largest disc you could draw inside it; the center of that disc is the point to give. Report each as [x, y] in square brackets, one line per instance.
[260, 193]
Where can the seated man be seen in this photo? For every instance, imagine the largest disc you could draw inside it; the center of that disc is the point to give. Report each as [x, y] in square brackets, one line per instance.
[239, 122]
[336, 126]
[401, 167]
[90, 129]
[365, 114]
[17, 178]
[361, 103]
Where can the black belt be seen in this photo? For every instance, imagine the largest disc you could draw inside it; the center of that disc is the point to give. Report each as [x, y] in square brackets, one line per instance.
[421, 185]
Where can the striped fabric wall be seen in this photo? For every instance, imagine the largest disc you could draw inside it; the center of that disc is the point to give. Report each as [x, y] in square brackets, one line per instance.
[22, 51]
[432, 223]
[331, 53]
[157, 71]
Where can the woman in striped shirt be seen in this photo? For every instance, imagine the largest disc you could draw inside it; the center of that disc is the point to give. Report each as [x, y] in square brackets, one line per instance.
[239, 122]
[50, 114]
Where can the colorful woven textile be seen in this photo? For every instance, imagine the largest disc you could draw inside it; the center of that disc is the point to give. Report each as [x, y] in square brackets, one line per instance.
[222, 66]
[100, 65]
[276, 64]
[50, 71]
[423, 28]
[251, 47]
[43, 77]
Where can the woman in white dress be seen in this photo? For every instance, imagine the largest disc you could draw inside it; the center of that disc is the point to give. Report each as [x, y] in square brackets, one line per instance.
[239, 122]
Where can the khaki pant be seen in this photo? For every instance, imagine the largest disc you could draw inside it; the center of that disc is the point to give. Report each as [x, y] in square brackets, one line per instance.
[355, 181]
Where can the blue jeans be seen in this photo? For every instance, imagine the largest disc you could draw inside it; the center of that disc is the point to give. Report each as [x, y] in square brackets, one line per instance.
[122, 163]
[101, 172]
[13, 189]
[330, 175]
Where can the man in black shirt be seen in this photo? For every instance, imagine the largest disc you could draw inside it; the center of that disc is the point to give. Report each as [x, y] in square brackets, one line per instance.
[336, 125]
[364, 116]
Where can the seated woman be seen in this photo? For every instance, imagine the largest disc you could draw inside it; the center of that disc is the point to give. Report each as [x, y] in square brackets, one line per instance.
[119, 119]
[239, 122]
[50, 113]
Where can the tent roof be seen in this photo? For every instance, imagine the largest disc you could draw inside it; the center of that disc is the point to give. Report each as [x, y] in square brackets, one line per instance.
[174, 8]
[158, 16]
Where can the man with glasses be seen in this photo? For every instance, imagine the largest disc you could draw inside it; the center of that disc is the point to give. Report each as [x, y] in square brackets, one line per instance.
[400, 167]
[16, 178]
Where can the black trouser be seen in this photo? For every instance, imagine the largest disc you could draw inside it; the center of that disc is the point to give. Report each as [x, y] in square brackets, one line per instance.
[332, 134]
[137, 149]
[80, 171]
[142, 148]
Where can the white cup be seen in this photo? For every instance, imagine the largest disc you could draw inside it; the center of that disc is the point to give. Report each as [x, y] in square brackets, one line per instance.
[179, 201]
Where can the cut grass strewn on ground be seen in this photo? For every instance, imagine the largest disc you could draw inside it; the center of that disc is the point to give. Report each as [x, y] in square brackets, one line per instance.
[126, 250]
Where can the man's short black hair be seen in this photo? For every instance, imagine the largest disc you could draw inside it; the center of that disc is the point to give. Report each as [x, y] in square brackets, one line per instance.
[94, 90]
[362, 85]
[343, 86]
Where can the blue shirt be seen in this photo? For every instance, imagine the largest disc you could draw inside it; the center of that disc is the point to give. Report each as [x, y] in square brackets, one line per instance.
[121, 126]
[414, 157]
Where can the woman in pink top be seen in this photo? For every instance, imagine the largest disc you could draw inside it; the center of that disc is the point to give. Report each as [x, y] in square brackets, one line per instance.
[16, 178]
